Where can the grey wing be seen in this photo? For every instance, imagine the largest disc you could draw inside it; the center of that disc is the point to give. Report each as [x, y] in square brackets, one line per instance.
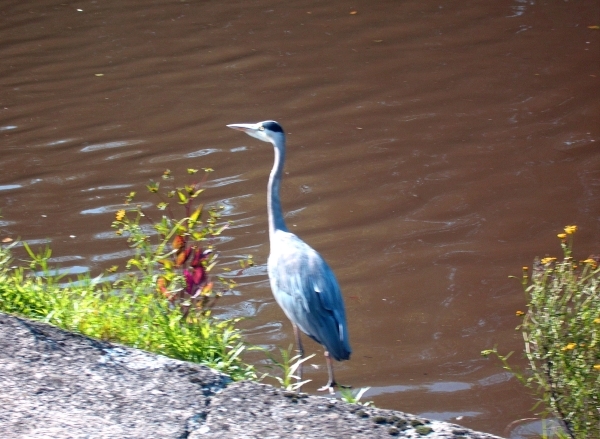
[308, 292]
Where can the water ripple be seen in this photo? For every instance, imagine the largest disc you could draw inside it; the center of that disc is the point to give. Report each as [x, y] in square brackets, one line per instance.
[202, 152]
[229, 205]
[108, 187]
[108, 145]
[111, 208]
[8, 187]
[448, 416]
[60, 142]
[218, 182]
[112, 256]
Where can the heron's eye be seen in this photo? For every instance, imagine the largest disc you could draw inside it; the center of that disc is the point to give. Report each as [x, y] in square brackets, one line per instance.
[261, 128]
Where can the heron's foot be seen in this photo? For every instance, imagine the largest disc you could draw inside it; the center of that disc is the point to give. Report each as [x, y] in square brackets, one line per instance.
[330, 386]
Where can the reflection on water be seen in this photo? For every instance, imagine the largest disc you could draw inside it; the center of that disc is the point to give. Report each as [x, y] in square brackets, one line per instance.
[448, 386]
[455, 417]
[433, 150]
[533, 429]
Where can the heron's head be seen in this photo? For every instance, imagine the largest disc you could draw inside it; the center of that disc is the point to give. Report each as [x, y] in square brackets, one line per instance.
[267, 131]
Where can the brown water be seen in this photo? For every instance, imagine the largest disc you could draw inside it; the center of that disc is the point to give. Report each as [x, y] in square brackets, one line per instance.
[434, 149]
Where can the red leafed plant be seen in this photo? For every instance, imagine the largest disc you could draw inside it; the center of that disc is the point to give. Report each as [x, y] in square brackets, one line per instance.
[193, 262]
[181, 261]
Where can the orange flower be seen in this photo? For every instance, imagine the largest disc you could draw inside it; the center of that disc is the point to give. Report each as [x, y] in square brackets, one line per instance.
[520, 313]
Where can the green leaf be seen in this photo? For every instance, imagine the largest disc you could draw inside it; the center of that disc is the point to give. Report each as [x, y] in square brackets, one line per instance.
[183, 199]
[196, 214]
[198, 236]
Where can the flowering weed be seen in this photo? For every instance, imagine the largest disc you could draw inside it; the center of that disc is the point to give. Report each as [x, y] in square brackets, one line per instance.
[561, 331]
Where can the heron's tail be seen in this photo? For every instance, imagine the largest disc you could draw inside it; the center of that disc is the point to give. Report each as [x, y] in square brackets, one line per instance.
[340, 349]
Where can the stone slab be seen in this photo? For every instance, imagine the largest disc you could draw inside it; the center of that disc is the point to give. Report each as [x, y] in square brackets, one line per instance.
[56, 384]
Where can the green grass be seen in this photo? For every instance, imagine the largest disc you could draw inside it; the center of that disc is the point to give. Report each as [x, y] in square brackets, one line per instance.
[135, 317]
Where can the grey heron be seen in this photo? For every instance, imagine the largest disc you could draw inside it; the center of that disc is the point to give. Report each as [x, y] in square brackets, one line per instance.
[301, 281]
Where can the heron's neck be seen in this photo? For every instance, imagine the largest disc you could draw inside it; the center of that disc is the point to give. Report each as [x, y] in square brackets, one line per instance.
[276, 221]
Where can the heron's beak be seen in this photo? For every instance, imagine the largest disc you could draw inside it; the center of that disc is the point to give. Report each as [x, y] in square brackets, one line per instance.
[245, 127]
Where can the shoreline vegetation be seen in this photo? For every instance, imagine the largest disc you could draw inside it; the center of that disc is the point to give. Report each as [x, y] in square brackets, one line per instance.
[162, 301]
[561, 335]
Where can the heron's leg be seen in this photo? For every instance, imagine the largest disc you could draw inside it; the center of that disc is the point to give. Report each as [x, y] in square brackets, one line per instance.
[331, 383]
[299, 350]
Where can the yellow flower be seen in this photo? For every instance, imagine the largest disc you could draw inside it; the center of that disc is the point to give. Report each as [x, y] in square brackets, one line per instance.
[569, 230]
[547, 260]
[597, 366]
[120, 215]
[570, 347]
[591, 261]
[562, 235]
[597, 321]
[525, 268]
[520, 313]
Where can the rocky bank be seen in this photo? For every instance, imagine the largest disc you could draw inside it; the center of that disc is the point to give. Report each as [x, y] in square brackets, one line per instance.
[55, 384]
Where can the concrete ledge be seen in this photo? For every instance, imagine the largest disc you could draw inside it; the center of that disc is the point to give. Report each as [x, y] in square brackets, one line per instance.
[55, 384]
